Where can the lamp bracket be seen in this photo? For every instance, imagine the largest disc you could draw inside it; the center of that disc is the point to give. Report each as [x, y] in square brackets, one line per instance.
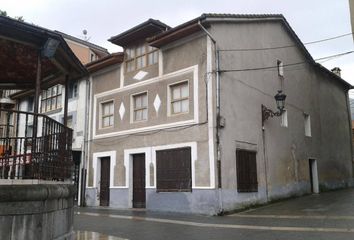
[267, 113]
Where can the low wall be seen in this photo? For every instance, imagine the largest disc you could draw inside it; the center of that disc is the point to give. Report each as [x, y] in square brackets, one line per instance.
[36, 212]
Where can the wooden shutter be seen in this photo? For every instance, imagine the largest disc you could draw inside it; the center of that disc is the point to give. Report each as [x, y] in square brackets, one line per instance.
[173, 170]
[246, 165]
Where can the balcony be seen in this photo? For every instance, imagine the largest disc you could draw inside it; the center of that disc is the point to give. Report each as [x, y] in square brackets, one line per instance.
[34, 146]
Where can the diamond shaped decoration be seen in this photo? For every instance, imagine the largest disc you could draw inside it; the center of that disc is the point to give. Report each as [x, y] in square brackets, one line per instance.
[140, 75]
[157, 103]
[121, 111]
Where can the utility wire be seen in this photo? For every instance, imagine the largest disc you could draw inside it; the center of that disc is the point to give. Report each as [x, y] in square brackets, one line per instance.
[286, 65]
[286, 46]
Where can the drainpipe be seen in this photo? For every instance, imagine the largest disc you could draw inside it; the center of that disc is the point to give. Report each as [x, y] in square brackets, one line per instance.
[218, 148]
[85, 155]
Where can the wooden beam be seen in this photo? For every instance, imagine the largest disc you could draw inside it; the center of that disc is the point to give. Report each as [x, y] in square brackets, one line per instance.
[38, 83]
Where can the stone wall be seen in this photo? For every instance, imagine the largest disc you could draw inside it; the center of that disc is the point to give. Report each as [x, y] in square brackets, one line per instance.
[36, 212]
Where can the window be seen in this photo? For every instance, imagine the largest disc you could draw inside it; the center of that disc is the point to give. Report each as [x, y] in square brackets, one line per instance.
[246, 166]
[73, 90]
[140, 56]
[29, 130]
[179, 98]
[93, 57]
[280, 68]
[173, 170]
[30, 104]
[51, 98]
[307, 121]
[140, 110]
[284, 119]
[107, 110]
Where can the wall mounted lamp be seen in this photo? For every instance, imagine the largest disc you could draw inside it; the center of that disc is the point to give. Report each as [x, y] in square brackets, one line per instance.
[280, 101]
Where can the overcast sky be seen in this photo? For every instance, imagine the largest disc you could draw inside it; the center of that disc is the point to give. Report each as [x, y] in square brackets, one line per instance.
[311, 19]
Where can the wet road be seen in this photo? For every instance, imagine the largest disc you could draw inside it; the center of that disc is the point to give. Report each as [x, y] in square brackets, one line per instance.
[325, 216]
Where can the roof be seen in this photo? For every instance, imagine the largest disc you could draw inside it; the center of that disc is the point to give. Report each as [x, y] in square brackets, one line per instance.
[21, 44]
[206, 19]
[83, 42]
[146, 29]
[109, 60]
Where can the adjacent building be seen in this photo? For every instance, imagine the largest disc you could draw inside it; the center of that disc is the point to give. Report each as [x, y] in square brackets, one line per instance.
[177, 124]
[52, 101]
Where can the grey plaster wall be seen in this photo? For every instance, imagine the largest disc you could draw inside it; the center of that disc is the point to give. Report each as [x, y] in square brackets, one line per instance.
[106, 79]
[36, 212]
[282, 152]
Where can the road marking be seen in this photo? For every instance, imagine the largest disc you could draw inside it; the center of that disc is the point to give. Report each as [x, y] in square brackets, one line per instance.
[293, 216]
[231, 226]
[85, 235]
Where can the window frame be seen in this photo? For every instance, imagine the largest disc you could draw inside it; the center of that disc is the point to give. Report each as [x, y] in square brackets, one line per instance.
[133, 109]
[45, 98]
[171, 100]
[101, 116]
[133, 58]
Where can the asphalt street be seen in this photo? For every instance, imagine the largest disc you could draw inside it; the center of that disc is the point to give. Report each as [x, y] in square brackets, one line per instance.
[327, 215]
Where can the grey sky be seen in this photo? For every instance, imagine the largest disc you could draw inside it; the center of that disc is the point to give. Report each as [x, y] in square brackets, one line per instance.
[311, 19]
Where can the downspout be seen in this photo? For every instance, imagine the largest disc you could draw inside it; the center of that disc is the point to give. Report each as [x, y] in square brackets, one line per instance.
[84, 167]
[218, 148]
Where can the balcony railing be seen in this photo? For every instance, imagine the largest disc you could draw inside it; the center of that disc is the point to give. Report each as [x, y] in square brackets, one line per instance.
[34, 146]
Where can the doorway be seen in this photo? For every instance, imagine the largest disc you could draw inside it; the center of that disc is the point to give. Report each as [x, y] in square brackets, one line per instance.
[139, 192]
[104, 183]
[313, 176]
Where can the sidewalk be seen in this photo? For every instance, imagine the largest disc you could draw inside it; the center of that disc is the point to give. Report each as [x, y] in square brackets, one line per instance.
[323, 216]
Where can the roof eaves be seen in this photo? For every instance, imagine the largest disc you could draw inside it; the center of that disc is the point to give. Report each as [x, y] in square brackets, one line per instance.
[137, 27]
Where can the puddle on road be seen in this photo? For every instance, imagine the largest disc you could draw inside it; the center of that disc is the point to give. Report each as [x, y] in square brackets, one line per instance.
[84, 235]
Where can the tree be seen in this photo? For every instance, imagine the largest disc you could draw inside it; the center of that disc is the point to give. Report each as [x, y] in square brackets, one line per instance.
[3, 13]
[19, 18]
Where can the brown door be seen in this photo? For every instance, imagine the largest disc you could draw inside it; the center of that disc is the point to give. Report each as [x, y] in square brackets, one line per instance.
[104, 184]
[139, 180]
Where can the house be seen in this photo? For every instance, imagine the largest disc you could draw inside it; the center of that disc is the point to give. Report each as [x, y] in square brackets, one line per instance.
[187, 120]
[52, 100]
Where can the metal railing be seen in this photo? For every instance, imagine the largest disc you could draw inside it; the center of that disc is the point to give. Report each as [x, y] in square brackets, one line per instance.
[34, 146]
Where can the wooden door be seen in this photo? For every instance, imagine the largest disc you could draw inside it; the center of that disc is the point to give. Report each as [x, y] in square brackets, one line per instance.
[104, 184]
[139, 197]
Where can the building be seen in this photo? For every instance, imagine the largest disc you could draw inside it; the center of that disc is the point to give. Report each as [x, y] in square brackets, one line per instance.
[36, 190]
[180, 124]
[52, 100]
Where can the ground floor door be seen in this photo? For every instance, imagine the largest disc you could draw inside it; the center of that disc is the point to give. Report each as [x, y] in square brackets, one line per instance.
[104, 183]
[139, 194]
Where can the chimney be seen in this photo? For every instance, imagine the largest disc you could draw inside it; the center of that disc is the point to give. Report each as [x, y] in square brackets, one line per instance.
[336, 71]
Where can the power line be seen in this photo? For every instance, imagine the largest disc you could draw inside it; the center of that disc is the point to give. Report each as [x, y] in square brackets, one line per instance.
[286, 65]
[286, 46]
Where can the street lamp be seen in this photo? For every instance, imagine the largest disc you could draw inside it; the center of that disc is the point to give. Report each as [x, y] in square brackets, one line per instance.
[280, 101]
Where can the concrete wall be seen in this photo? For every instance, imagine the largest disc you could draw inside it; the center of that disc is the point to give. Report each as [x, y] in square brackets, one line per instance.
[283, 153]
[36, 212]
